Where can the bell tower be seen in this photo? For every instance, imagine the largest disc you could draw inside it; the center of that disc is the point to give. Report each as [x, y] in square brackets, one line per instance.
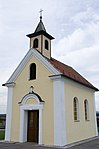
[40, 39]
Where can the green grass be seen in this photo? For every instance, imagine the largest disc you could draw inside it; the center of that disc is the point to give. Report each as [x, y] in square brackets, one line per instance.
[2, 135]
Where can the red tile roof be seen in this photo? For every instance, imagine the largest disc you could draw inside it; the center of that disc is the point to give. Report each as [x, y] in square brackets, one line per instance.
[70, 73]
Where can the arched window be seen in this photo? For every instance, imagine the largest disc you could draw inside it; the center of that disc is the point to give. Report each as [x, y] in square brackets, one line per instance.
[86, 108]
[46, 44]
[32, 71]
[35, 43]
[76, 110]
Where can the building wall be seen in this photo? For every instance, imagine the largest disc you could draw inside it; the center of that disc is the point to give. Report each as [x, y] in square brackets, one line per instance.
[82, 129]
[46, 52]
[41, 39]
[42, 86]
[39, 43]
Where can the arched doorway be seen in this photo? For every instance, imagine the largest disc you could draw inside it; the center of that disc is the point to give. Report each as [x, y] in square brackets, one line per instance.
[31, 107]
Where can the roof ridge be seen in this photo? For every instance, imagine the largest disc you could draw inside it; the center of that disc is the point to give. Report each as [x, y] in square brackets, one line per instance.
[71, 73]
[72, 69]
[61, 62]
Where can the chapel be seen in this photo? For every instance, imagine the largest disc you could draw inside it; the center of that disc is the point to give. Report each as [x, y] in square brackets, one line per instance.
[48, 101]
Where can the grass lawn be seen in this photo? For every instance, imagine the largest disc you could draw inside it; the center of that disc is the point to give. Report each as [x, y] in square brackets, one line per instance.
[2, 135]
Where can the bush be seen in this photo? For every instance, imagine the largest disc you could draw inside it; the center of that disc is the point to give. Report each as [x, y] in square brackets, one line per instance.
[98, 129]
[2, 135]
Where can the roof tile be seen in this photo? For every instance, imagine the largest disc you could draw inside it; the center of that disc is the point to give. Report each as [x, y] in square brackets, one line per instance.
[70, 73]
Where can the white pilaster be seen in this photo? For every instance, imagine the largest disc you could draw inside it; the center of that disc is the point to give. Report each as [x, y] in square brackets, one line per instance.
[40, 126]
[9, 113]
[95, 117]
[59, 112]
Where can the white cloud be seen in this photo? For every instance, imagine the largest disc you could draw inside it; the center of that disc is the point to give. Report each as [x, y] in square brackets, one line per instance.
[84, 17]
[79, 39]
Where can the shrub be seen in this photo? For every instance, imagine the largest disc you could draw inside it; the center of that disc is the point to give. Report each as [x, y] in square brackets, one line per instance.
[2, 135]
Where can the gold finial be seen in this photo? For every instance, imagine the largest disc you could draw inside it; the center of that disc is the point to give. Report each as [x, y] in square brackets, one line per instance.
[41, 13]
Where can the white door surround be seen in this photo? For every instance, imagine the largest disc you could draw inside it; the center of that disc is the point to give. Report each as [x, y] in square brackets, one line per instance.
[24, 108]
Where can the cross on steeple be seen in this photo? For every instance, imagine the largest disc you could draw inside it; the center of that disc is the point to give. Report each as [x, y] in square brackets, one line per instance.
[41, 13]
[41, 40]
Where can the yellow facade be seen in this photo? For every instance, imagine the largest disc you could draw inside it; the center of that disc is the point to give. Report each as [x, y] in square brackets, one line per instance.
[44, 87]
[75, 131]
[81, 129]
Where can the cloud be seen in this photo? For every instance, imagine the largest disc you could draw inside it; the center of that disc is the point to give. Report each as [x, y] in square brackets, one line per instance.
[79, 39]
[84, 17]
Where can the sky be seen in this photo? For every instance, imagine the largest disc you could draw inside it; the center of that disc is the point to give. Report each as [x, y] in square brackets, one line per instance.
[73, 23]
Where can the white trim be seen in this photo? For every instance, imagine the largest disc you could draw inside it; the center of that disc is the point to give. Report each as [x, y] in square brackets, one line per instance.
[22, 128]
[95, 120]
[10, 84]
[31, 107]
[23, 118]
[59, 113]
[53, 77]
[9, 114]
[40, 125]
[30, 53]
[28, 96]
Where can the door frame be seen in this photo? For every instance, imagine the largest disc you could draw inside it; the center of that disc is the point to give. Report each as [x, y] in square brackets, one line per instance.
[32, 133]
[23, 121]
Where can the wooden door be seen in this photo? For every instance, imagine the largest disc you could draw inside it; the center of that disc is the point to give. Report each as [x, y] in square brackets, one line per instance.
[33, 126]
